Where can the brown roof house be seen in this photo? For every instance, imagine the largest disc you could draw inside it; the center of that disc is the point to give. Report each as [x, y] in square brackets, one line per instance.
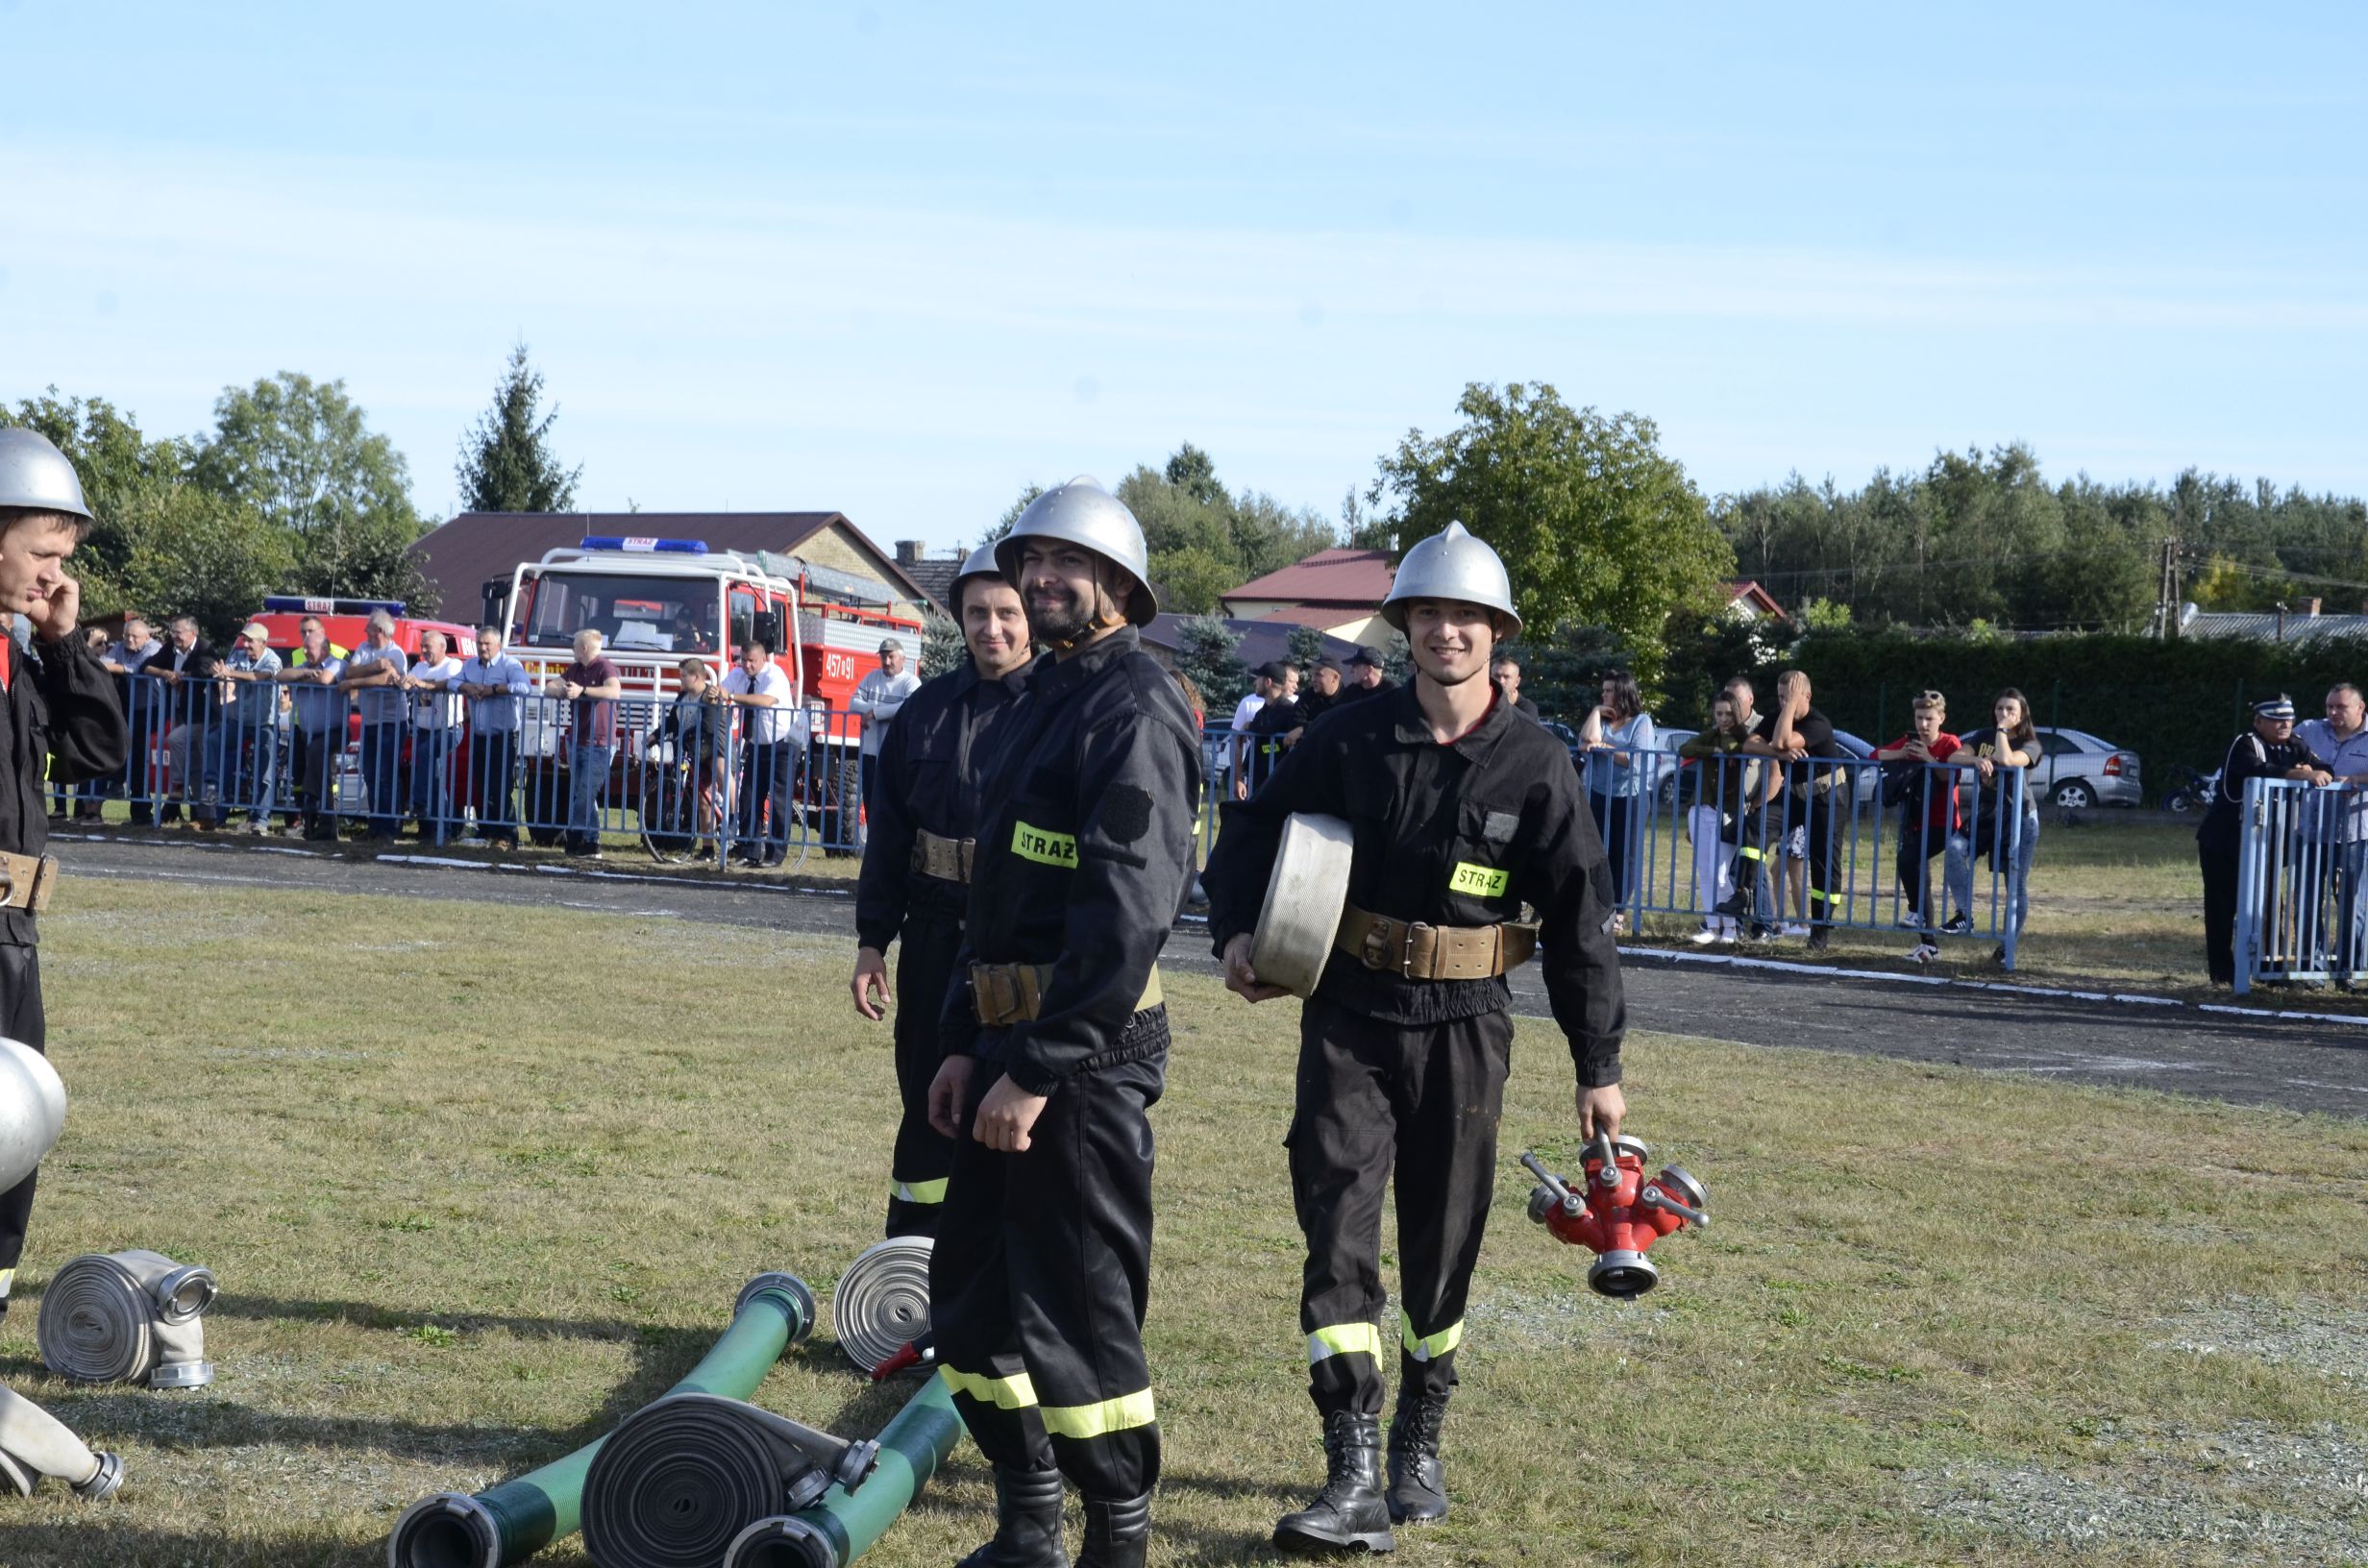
[1337, 591]
[476, 548]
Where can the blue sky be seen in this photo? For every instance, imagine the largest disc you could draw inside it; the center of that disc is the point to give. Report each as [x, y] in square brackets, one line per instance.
[901, 259]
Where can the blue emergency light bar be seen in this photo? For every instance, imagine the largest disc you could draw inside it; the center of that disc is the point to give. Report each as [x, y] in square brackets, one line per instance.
[665, 547]
[302, 604]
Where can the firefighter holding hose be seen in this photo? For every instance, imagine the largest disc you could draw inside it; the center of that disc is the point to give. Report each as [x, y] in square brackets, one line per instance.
[59, 703]
[925, 808]
[1460, 811]
[1055, 1041]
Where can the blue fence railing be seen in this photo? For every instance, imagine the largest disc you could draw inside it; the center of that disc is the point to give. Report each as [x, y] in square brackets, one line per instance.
[687, 778]
[2301, 863]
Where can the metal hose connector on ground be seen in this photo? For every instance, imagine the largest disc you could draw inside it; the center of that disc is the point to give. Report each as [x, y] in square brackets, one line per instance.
[681, 1478]
[127, 1317]
[882, 1301]
[844, 1525]
[37, 1443]
[509, 1523]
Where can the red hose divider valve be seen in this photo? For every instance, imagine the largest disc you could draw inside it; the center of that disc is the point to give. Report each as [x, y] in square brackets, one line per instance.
[1621, 1214]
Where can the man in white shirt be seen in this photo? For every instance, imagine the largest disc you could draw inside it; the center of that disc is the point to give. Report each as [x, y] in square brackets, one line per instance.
[372, 672]
[493, 682]
[319, 740]
[242, 744]
[773, 744]
[876, 701]
[124, 660]
[435, 734]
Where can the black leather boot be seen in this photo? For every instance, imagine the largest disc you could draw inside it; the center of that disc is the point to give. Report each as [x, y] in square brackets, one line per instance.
[1418, 1485]
[1028, 1523]
[1117, 1534]
[1349, 1515]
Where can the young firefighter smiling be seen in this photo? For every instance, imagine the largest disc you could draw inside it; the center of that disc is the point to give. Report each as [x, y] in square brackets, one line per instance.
[1460, 811]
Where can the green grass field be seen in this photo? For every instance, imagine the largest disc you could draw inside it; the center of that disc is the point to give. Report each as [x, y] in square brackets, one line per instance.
[479, 1180]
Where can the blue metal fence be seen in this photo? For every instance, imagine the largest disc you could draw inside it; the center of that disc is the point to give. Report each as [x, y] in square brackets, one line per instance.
[681, 777]
[2300, 866]
[1728, 839]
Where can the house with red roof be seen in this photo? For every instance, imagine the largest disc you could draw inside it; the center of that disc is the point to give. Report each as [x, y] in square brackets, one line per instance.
[1336, 591]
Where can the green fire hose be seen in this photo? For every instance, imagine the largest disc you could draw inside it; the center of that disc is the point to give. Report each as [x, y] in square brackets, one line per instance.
[513, 1521]
[845, 1525]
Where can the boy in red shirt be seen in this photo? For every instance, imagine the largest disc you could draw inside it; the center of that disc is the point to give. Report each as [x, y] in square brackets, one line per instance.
[1927, 802]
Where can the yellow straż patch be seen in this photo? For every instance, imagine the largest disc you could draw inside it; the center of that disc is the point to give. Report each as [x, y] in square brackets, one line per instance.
[1478, 881]
[1042, 846]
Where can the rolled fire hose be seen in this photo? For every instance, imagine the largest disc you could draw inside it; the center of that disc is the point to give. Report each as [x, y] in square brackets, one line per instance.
[882, 1301]
[127, 1318]
[844, 1525]
[1306, 894]
[513, 1521]
[34, 1443]
[682, 1477]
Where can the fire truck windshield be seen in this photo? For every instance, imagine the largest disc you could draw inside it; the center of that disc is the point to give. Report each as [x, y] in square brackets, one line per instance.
[633, 614]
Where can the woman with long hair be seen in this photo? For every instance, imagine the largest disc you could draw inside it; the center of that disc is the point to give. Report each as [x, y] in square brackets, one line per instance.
[1617, 737]
[1996, 756]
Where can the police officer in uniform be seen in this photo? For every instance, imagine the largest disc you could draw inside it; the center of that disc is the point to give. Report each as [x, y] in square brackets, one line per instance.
[2266, 751]
[61, 701]
[1461, 812]
[1056, 1045]
[917, 863]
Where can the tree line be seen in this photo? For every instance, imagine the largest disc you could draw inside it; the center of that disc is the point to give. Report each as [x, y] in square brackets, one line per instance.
[291, 491]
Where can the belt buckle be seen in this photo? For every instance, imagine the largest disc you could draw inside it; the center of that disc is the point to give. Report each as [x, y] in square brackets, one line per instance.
[1374, 950]
[1406, 954]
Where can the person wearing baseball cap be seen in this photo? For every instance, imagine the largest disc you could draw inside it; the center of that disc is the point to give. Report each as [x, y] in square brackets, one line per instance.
[59, 710]
[242, 742]
[878, 700]
[2268, 749]
[1365, 678]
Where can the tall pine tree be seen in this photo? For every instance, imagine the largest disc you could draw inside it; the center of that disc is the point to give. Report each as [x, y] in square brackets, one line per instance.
[507, 464]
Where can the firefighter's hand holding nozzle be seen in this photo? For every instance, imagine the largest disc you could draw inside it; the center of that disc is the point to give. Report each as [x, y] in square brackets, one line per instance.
[1601, 1111]
[1243, 980]
[871, 983]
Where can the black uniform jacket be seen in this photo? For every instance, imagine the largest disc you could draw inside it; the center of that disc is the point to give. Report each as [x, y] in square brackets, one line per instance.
[2248, 757]
[1085, 853]
[1461, 834]
[60, 701]
[929, 770]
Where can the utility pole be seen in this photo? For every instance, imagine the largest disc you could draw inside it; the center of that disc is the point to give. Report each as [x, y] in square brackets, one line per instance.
[2166, 594]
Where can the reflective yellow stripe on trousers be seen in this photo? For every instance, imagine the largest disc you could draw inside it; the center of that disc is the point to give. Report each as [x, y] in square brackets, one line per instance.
[1019, 1392]
[918, 1191]
[1429, 1347]
[1343, 1339]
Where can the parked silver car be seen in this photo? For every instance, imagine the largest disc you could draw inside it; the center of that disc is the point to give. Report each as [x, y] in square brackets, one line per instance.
[2082, 771]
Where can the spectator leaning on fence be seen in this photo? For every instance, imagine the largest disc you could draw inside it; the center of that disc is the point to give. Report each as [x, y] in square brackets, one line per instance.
[435, 734]
[1797, 795]
[1723, 800]
[773, 744]
[126, 659]
[876, 701]
[1618, 740]
[186, 668]
[1996, 756]
[242, 746]
[492, 684]
[2340, 741]
[686, 782]
[318, 742]
[1927, 802]
[593, 685]
[373, 672]
[2269, 750]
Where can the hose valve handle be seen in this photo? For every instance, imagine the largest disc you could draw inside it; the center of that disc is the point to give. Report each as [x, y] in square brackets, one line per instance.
[1551, 1183]
[1601, 1147]
[1653, 1198]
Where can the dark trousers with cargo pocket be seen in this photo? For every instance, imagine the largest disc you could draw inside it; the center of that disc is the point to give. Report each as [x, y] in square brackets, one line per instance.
[20, 1020]
[1421, 1099]
[924, 1160]
[1041, 1274]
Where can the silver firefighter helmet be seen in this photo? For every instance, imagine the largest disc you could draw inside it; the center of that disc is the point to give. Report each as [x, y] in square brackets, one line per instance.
[35, 475]
[31, 1109]
[1082, 512]
[978, 563]
[1451, 564]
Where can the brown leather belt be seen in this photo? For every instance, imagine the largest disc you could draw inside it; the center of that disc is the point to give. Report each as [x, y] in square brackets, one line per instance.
[26, 883]
[1006, 993]
[1416, 952]
[949, 860]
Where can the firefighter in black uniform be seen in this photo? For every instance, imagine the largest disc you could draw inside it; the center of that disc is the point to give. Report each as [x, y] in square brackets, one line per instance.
[1056, 1045]
[917, 863]
[2266, 751]
[61, 702]
[1461, 812]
